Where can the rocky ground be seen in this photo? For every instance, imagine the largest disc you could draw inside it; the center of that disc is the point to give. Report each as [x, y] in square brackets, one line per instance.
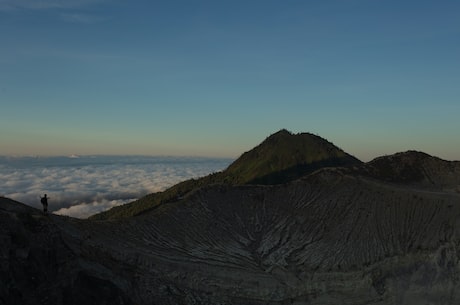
[337, 236]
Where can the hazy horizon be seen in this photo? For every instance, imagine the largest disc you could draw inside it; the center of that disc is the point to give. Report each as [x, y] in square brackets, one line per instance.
[366, 157]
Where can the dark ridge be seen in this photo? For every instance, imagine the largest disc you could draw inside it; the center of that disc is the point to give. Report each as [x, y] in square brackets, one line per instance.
[414, 168]
[402, 167]
[11, 205]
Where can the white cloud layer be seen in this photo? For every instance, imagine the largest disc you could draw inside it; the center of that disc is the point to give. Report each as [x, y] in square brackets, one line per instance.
[85, 186]
[84, 210]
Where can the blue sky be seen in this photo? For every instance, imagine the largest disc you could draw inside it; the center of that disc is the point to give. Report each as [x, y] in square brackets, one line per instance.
[214, 78]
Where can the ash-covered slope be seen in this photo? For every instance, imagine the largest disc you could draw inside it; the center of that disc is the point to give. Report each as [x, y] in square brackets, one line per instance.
[337, 236]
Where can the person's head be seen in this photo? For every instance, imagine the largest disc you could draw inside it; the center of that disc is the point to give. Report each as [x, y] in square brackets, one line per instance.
[45, 195]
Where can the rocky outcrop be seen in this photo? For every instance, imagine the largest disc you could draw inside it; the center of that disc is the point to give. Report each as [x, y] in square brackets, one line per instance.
[337, 236]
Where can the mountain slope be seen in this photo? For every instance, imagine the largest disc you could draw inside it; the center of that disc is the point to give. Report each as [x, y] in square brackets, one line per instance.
[280, 158]
[337, 236]
[386, 232]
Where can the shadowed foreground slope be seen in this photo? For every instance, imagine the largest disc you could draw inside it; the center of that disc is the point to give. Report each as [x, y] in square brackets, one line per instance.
[337, 236]
[40, 263]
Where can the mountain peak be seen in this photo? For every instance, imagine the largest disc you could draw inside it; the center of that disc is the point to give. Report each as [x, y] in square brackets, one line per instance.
[284, 156]
[281, 133]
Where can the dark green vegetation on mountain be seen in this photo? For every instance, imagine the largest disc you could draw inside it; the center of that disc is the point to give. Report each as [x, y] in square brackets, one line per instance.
[281, 158]
[386, 232]
[284, 157]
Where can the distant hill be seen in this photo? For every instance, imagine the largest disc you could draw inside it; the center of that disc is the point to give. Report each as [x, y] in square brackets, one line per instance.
[280, 158]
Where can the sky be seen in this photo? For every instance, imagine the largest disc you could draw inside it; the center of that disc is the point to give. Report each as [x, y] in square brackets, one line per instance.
[215, 78]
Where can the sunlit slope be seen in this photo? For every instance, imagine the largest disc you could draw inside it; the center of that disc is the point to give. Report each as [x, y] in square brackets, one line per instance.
[280, 158]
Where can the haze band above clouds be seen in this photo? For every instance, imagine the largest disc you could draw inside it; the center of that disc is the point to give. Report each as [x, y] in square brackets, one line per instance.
[85, 186]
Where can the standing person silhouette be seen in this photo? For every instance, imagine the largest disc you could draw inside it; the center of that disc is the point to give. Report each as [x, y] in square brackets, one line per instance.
[44, 201]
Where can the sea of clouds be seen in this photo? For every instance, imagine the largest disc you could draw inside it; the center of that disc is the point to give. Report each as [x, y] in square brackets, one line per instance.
[83, 186]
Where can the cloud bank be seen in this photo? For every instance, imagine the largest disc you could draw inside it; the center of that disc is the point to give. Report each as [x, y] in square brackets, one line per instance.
[85, 186]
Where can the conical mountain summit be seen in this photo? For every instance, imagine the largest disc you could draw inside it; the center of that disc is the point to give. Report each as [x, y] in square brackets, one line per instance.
[284, 157]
